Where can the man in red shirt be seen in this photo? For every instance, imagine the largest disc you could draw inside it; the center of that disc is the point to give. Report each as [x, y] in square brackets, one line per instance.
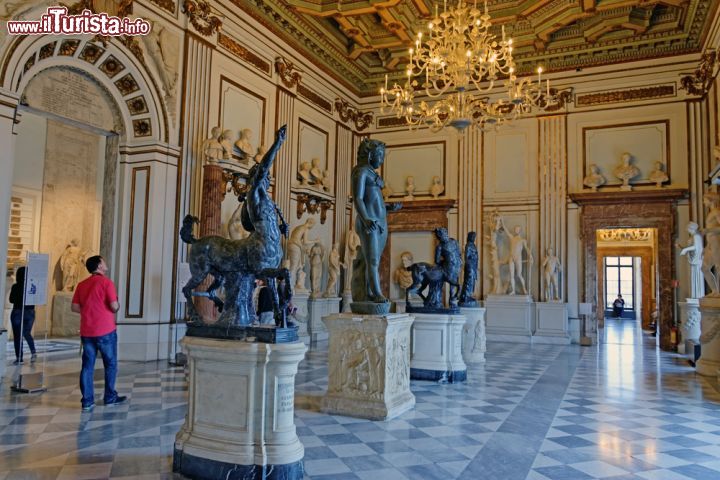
[96, 301]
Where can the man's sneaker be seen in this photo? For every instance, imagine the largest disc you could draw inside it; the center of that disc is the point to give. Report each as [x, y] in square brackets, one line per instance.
[33, 358]
[88, 408]
[118, 400]
[17, 362]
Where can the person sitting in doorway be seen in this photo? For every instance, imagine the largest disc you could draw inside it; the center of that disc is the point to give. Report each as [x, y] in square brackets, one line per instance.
[265, 310]
[618, 306]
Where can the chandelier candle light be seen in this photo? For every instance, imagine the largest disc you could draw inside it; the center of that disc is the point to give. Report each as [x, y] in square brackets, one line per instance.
[460, 61]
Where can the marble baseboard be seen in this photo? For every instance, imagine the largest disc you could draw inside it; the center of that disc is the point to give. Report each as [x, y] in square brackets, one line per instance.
[551, 340]
[204, 468]
[449, 376]
[494, 337]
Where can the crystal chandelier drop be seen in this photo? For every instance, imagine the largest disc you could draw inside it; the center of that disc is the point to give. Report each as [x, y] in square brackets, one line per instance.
[459, 63]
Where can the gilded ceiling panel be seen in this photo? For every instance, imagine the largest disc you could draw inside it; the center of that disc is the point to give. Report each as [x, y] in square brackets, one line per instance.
[358, 41]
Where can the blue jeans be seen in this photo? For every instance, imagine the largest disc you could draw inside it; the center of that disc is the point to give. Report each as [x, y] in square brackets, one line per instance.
[16, 319]
[107, 346]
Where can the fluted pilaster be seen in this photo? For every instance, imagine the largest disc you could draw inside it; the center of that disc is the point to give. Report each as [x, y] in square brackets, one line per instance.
[284, 171]
[698, 155]
[552, 150]
[470, 190]
[345, 156]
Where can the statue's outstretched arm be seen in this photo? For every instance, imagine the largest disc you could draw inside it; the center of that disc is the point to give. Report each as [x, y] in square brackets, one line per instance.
[269, 156]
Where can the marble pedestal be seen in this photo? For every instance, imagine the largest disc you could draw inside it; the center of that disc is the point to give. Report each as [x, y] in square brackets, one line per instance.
[474, 342]
[317, 309]
[368, 365]
[240, 420]
[302, 316]
[551, 323]
[510, 318]
[346, 301]
[436, 349]
[65, 323]
[689, 325]
[709, 361]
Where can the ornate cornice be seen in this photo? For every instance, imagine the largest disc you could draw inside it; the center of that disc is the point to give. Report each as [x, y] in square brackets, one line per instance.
[699, 82]
[348, 113]
[201, 17]
[622, 96]
[167, 5]
[234, 47]
[290, 76]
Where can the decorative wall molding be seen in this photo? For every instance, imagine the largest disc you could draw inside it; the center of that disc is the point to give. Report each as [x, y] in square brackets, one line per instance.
[624, 234]
[243, 53]
[314, 98]
[168, 5]
[348, 113]
[201, 17]
[312, 204]
[699, 82]
[564, 97]
[290, 76]
[622, 96]
[389, 122]
[235, 182]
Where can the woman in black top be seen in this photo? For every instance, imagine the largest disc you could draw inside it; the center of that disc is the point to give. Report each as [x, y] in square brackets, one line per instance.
[21, 321]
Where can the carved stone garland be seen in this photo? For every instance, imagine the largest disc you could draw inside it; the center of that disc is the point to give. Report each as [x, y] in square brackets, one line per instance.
[702, 78]
[289, 75]
[312, 204]
[199, 13]
[348, 113]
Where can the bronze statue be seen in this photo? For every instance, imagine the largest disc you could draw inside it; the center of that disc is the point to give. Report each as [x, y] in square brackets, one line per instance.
[371, 227]
[237, 263]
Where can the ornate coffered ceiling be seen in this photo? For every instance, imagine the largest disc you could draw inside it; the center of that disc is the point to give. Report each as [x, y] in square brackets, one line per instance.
[358, 41]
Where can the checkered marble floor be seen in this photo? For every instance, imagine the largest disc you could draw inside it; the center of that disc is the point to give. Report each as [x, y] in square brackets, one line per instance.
[621, 410]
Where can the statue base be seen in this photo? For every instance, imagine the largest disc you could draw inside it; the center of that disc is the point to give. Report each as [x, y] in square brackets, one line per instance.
[368, 366]
[346, 301]
[65, 322]
[370, 308]
[437, 348]
[300, 302]
[319, 308]
[474, 343]
[690, 320]
[260, 333]
[510, 318]
[709, 362]
[240, 421]
[470, 304]
[551, 323]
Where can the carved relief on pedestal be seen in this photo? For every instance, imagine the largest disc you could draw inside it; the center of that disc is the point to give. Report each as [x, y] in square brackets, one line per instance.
[399, 364]
[359, 370]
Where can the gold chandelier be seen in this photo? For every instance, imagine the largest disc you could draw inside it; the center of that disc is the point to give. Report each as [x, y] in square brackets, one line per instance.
[459, 63]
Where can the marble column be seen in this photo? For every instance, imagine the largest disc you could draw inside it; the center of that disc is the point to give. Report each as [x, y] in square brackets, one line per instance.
[8, 105]
[552, 151]
[470, 187]
[345, 162]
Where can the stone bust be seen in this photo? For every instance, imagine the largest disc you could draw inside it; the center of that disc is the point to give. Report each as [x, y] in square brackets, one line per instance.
[658, 176]
[245, 149]
[594, 179]
[626, 171]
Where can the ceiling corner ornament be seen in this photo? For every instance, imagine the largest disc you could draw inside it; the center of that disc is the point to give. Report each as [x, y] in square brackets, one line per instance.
[201, 17]
[458, 66]
[348, 113]
[699, 82]
[289, 75]
[312, 205]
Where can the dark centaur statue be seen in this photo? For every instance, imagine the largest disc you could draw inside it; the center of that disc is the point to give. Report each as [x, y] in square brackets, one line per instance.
[426, 275]
[237, 263]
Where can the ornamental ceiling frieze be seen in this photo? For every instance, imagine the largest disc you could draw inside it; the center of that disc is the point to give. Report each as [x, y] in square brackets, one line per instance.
[359, 41]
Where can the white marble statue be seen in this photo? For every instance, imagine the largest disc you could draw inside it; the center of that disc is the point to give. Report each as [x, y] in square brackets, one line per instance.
[694, 252]
[402, 276]
[518, 245]
[212, 149]
[492, 239]
[162, 48]
[711, 252]
[71, 263]
[261, 151]
[316, 259]
[234, 227]
[297, 245]
[226, 143]
[352, 243]
[326, 181]
[594, 179]
[303, 175]
[626, 171]
[437, 188]
[551, 270]
[658, 176]
[243, 145]
[387, 191]
[334, 265]
[316, 172]
[409, 188]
